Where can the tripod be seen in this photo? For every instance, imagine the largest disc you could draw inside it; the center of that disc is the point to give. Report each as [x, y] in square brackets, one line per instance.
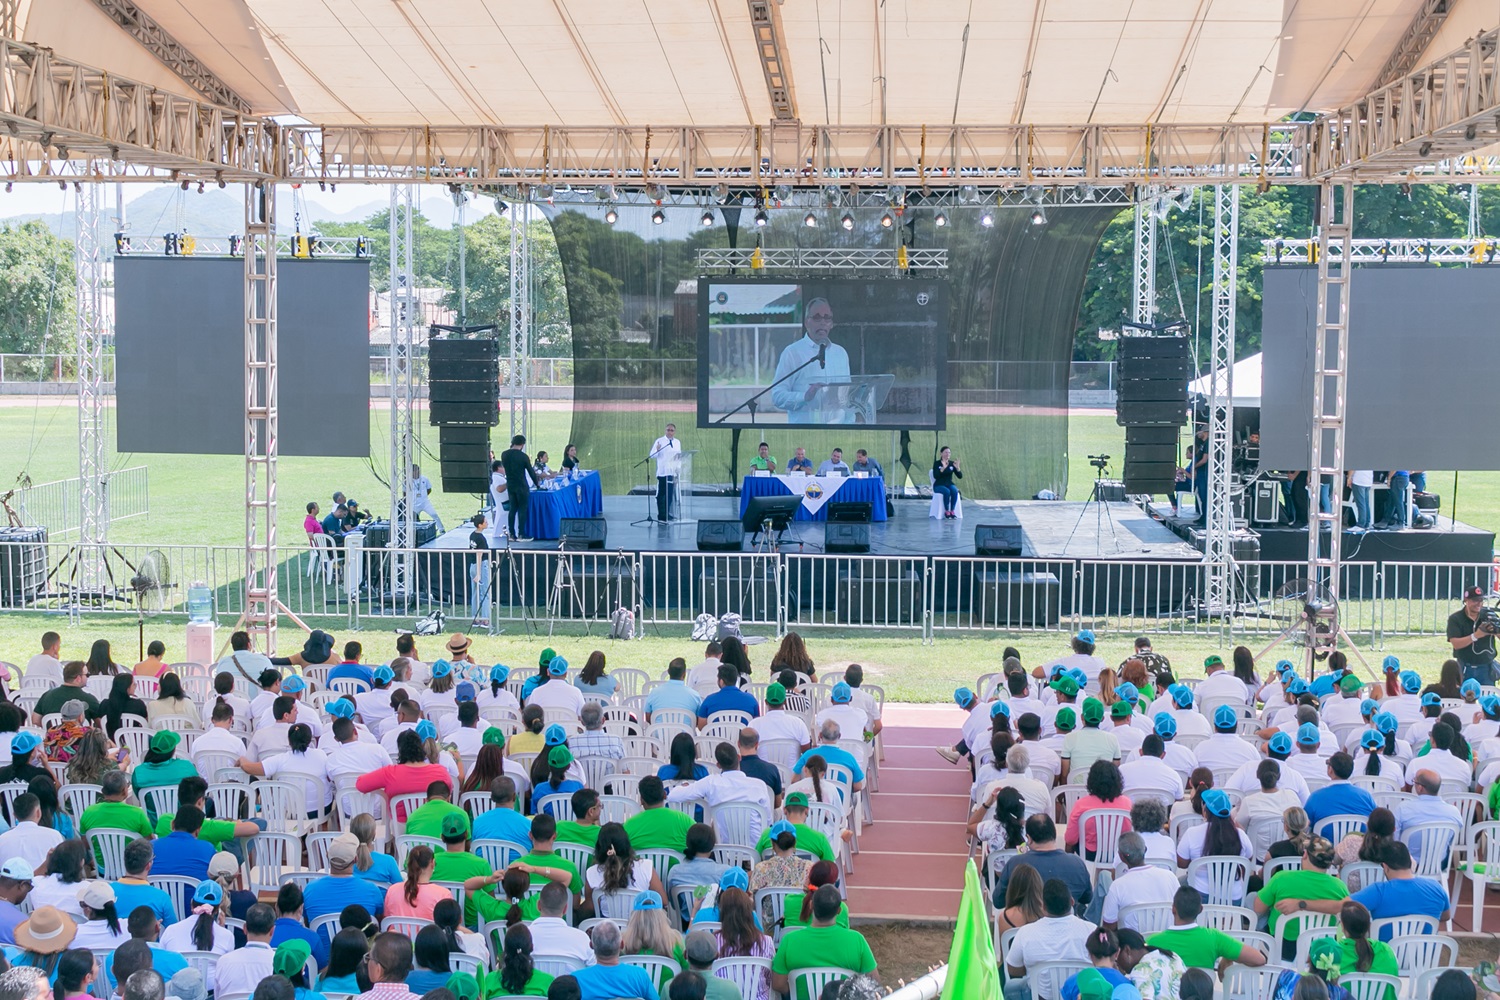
[1101, 509]
[564, 585]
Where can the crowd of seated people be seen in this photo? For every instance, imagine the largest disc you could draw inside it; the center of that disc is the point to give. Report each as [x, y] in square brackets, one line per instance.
[330, 824]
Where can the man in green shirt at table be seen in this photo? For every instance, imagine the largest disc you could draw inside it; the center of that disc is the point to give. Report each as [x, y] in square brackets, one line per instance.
[821, 944]
[763, 459]
[808, 839]
[656, 826]
[427, 819]
[1201, 947]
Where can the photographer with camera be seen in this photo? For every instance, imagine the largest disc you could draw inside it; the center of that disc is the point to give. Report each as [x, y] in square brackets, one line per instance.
[1471, 631]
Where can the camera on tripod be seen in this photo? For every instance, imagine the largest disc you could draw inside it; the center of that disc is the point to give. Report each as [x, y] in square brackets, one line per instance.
[1488, 621]
[1099, 461]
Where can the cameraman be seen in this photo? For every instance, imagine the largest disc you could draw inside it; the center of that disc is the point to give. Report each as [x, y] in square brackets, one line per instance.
[1472, 634]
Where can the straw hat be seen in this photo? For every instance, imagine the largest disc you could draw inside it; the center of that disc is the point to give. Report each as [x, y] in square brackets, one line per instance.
[47, 931]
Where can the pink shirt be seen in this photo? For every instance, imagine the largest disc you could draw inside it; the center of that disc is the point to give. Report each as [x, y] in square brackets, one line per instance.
[1083, 805]
[403, 779]
[428, 896]
[312, 525]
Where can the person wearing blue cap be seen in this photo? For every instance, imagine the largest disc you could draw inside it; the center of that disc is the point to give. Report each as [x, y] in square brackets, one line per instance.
[1487, 726]
[492, 691]
[975, 729]
[1178, 757]
[1432, 707]
[1406, 706]
[1379, 751]
[851, 719]
[1217, 836]
[1327, 682]
[350, 667]
[1339, 796]
[1082, 657]
[1472, 640]
[1308, 740]
[1190, 721]
[1225, 750]
[557, 692]
[295, 688]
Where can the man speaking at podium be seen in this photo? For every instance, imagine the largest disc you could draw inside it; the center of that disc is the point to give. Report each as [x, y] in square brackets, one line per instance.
[667, 450]
[814, 395]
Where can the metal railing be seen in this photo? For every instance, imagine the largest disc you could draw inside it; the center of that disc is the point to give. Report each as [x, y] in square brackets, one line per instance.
[127, 494]
[931, 596]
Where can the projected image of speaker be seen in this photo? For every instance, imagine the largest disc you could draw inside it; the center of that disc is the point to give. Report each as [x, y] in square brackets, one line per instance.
[846, 537]
[720, 536]
[583, 532]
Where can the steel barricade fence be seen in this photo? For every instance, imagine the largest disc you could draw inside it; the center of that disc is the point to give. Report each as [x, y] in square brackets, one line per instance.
[57, 504]
[887, 592]
[1418, 597]
[679, 586]
[114, 578]
[969, 593]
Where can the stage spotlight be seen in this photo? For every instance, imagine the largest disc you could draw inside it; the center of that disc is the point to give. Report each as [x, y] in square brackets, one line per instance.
[940, 220]
[500, 206]
[810, 221]
[847, 221]
[721, 191]
[611, 216]
[1034, 193]
[986, 218]
[761, 218]
[783, 193]
[1039, 216]
[886, 221]
[605, 192]
[658, 217]
[707, 218]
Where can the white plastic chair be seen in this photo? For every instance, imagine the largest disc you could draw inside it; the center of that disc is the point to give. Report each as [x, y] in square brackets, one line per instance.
[499, 853]
[1244, 983]
[180, 888]
[405, 926]
[739, 823]
[1415, 954]
[1339, 826]
[1370, 985]
[1146, 918]
[555, 965]
[810, 982]
[110, 846]
[935, 509]
[747, 973]
[1226, 877]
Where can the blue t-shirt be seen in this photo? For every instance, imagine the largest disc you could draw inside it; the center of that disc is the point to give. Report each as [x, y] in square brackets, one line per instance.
[1336, 799]
[10, 916]
[383, 869]
[1111, 976]
[673, 694]
[669, 772]
[287, 929]
[180, 853]
[548, 788]
[603, 686]
[164, 962]
[729, 699]
[339, 984]
[128, 896]
[1403, 897]
[421, 981]
[530, 685]
[353, 671]
[607, 982]
[330, 895]
[834, 755]
[503, 824]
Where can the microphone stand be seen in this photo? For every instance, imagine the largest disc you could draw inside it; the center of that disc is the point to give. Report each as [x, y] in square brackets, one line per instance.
[650, 517]
[753, 403]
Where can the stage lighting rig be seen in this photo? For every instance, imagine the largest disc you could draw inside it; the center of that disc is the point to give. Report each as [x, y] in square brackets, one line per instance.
[1039, 216]
[847, 221]
[611, 216]
[940, 220]
[810, 220]
[707, 218]
[605, 192]
[761, 217]
[832, 196]
[887, 221]
[987, 218]
[658, 217]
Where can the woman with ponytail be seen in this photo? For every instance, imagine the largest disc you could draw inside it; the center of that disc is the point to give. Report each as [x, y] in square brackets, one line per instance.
[1361, 953]
[494, 694]
[517, 975]
[76, 971]
[1004, 831]
[1216, 836]
[203, 929]
[740, 935]
[449, 916]
[813, 783]
[515, 902]
[529, 738]
[820, 874]
[616, 867]
[1380, 755]
[416, 896]
[369, 864]
[101, 923]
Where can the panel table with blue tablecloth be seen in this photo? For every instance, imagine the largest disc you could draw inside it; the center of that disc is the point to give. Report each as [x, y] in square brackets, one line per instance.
[546, 508]
[835, 489]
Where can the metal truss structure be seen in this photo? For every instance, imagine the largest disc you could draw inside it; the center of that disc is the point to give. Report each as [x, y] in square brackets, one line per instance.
[156, 40]
[1143, 266]
[822, 259]
[1218, 553]
[401, 365]
[518, 375]
[1330, 397]
[1414, 41]
[1471, 250]
[261, 432]
[765, 19]
[93, 520]
[171, 245]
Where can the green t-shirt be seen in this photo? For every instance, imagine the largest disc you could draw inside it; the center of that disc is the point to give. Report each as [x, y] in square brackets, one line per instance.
[808, 839]
[570, 832]
[116, 816]
[664, 829]
[214, 831]
[456, 866]
[554, 860]
[427, 819]
[763, 463]
[1297, 884]
[1087, 744]
[168, 773]
[54, 699]
[1199, 948]
[536, 986]
[487, 908]
[794, 914]
[822, 946]
[1384, 963]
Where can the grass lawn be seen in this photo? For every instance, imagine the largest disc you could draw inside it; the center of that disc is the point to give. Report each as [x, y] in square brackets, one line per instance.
[198, 499]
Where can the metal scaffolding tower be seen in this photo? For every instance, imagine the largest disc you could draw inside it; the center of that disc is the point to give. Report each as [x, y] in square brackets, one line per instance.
[93, 520]
[1143, 298]
[400, 368]
[261, 601]
[1218, 555]
[1330, 389]
[518, 382]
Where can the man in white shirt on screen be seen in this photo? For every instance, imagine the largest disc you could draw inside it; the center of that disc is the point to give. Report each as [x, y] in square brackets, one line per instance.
[805, 396]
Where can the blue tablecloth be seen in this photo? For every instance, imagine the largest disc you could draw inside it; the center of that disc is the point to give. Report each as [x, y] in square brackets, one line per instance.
[871, 491]
[547, 508]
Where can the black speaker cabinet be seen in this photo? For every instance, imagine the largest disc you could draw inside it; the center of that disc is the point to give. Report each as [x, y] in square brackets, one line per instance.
[1011, 598]
[1146, 434]
[850, 511]
[1162, 414]
[1140, 390]
[463, 454]
[739, 584]
[448, 356]
[600, 584]
[720, 536]
[1130, 350]
[879, 592]
[1005, 539]
[478, 413]
[846, 537]
[583, 532]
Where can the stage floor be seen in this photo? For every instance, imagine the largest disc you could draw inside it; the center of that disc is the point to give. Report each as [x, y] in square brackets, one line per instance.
[1052, 529]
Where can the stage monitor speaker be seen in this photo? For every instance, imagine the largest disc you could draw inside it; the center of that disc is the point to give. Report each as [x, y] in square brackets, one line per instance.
[846, 537]
[583, 532]
[998, 539]
[720, 536]
[23, 564]
[850, 511]
[1007, 598]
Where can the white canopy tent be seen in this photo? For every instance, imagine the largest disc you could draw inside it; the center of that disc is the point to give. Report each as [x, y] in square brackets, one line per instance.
[1246, 382]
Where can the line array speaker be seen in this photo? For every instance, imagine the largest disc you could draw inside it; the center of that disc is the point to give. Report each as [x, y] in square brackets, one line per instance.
[1151, 404]
[463, 455]
[463, 382]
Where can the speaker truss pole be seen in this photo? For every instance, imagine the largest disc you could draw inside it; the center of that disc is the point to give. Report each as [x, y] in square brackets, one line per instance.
[93, 516]
[1143, 275]
[518, 382]
[1218, 554]
[261, 600]
[402, 382]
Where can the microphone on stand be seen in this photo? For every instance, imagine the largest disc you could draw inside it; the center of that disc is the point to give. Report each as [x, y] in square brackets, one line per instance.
[822, 355]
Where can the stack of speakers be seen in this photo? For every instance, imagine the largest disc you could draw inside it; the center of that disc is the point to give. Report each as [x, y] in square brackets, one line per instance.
[463, 391]
[1151, 404]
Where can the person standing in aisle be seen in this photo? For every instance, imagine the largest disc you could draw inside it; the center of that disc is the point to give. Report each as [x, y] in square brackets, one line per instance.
[667, 450]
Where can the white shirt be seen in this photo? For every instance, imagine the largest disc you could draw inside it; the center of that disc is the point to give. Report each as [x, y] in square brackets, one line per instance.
[1051, 939]
[668, 452]
[1443, 763]
[1087, 662]
[96, 934]
[240, 707]
[268, 741]
[1407, 708]
[1147, 884]
[421, 486]
[1043, 756]
[867, 704]
[356, 758]
[305, 715]
[1222, 684]
[43, 666]
[976, 727]
[557, 693]
[219, 741]
[1362, 477]
[1228, 750]
[308, 770]
[242, 970]
[791, 395]
[779, 724]
[1190, 847]
[729, 786]
[1152, 774]
[374, 707]
[1036, 796]
[1130, 739]
[553, 936]
[851, 720]
[50, 890]
[704, 678]
[388, 741]
[1341, 711]
[1309, 765]
[1245, 780]
[362, 734]
[1179, 758]
[468, 740]
[1190, 722]
[640, 877]
[179, 937]
[30, 842]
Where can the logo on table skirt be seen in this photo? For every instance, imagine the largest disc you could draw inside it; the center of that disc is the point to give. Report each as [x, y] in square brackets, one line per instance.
[814, 490]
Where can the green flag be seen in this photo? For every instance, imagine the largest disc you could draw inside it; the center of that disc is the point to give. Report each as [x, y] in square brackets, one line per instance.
[972, 973]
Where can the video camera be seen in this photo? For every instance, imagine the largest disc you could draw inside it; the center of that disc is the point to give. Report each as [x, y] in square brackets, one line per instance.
[1488, 621]
[1099, 461]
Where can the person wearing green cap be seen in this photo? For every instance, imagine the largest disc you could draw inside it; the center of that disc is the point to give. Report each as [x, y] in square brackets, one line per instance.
[161, 768]
[1128, 736]
[1220, 683]
[776, 723]
[290, 961]
[1084, 746]
[1324, 957]
[808, 839]
[1065, 692]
